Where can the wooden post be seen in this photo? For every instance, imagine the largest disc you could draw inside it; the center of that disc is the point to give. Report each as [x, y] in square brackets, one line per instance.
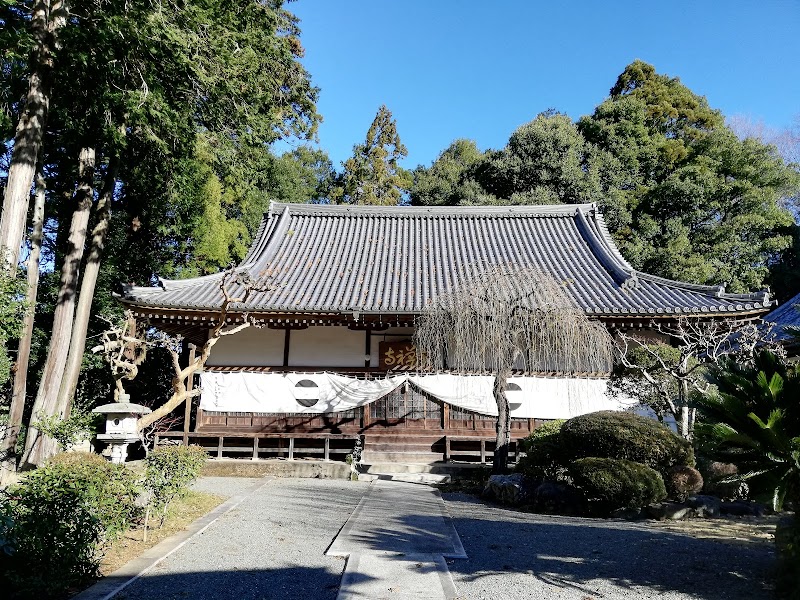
[255, 447]
[219, 446]
[187, 412]
[446, 449]
[368, 347]
[445, 415]
[483, 451]
[291, 448]
[286, 342]
[327, 446]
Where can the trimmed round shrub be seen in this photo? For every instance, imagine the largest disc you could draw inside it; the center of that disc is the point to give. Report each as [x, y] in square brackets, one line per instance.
[682, 481]
[625, 436]
[542, 460]
[614, 483]
[109, 490]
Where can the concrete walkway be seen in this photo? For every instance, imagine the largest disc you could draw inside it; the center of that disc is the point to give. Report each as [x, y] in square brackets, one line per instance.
[400, 542]
[396, 542]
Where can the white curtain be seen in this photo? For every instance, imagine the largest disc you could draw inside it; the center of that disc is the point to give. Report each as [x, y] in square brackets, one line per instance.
[537, 397]
[280, 393]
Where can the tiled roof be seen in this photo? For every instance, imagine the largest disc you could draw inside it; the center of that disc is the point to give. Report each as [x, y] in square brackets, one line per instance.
[787, 314]
[394, 260]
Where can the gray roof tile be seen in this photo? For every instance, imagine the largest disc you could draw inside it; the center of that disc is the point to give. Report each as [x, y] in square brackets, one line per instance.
[394, 260]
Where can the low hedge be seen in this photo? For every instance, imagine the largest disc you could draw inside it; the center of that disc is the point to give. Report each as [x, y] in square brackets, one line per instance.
[615, 483]
[55, 521]
[169, 471]
[624, 436]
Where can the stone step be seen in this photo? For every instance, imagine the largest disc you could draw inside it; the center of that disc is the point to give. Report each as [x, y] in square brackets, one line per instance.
[401, 457]
[439, 468]
[427, 478]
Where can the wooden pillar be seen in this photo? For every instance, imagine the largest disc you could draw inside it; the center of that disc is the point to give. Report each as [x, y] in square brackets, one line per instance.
[327, 451]
[286, 341]
[368, 347]
[446, 448]
[483, 451]
[255, 447]
[187, 412]
[220, 446]
[291, 448]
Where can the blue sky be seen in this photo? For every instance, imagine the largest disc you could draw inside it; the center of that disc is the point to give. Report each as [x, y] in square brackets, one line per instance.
[464, 69]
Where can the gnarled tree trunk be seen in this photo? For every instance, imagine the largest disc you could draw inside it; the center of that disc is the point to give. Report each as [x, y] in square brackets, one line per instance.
[503, 424]
[37, 447]
[47, 18]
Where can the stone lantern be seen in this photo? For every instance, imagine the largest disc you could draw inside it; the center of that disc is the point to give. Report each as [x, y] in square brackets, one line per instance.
[121, 430]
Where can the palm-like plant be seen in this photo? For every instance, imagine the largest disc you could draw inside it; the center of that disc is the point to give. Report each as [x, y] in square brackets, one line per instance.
[753, 421]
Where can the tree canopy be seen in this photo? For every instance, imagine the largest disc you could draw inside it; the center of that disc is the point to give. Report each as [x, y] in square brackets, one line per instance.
[372, 175]
[684, 197]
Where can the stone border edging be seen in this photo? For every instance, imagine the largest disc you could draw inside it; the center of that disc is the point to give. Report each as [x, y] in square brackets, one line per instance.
[110, 585]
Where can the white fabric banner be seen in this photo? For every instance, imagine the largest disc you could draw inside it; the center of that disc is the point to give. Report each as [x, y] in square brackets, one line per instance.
[537, 397]
[290, 392]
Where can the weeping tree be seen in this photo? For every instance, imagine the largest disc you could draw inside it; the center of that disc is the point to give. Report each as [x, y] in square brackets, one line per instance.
[508, 319]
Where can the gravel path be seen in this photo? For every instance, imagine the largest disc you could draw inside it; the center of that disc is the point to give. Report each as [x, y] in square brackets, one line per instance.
[225, 486]
[516, 555]
[271, 546]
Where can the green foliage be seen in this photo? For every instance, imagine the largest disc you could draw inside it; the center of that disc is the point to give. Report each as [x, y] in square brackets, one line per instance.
[787, 539]
[703, 205]
[616, 483]
[753, 421]
[109, 489]
[169, 471]
[59, 516]
[451, 179]
[625, 436]
[373, 174]
[66, 432]
[543, 453]
[12, 312]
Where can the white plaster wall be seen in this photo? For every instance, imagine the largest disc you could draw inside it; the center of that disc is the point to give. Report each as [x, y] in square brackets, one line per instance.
[251, 347]
[327, 346]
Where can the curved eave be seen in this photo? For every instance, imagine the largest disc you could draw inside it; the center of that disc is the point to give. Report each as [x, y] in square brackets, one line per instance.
[744, 310]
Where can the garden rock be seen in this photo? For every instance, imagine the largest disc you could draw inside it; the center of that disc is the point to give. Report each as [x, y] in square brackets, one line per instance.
[558, 498]
[628, 514]
[704, 506]
[507, 489]
[670, 511]
[741, 508]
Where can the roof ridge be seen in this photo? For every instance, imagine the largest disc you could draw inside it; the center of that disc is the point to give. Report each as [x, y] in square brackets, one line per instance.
[450, 211]
[715, 290]
[621, 271]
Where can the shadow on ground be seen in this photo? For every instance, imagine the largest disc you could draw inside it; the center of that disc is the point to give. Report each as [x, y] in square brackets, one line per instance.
[294, 583]
[520, 555]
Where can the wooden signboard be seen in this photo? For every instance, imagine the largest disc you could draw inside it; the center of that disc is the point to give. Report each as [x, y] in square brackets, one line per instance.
[398, 356]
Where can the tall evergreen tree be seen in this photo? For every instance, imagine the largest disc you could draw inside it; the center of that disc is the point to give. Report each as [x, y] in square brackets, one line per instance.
[704, 205]
[373, 174]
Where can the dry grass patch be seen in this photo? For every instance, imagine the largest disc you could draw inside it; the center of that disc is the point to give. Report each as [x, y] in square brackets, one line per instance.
[737, 530]
[180, 514]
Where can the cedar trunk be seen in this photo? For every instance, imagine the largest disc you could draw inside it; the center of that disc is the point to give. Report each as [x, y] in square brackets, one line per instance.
[37, 447]
[47, 18]
[72, 370]
[20, 383]
[503, 426]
